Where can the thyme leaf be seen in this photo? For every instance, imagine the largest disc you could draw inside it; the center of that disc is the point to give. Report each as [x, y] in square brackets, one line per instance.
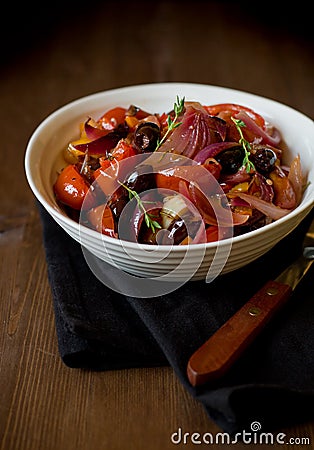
[150, 222]
[245, 144]
[178, 108]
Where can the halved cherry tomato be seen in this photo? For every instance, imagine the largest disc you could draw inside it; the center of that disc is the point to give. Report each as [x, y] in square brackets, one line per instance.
[285, 196]
[101, 218]
[163, 120]
[109, 170]
[213, 166]
[234, 108]
[112, 118]
[212, 233]
[121, 151]
[227, 110]
[171, 177]
[107, 178]
[71, 188]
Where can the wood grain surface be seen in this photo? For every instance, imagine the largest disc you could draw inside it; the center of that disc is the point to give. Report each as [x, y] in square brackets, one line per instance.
[56, 54]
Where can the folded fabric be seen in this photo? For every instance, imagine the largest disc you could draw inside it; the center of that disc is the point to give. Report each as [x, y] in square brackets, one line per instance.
[99, 329]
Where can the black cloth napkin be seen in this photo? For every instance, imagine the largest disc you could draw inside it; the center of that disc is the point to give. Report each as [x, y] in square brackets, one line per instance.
[99, 329]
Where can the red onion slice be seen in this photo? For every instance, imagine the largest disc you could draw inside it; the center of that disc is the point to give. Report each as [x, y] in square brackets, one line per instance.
[295, 176]
[100, 146]
[260, 185]
[93, 132]
[211, 150]
[269, 209]
[196, 131]
[213, 213]
[258, 131]
[239, 177]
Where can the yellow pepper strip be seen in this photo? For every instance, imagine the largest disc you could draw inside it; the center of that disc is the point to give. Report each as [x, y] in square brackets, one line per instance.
[131, 121]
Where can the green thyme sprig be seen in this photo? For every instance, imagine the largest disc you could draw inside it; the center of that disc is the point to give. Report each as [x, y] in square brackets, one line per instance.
[245, 144]
[150, 222]
[178, 108]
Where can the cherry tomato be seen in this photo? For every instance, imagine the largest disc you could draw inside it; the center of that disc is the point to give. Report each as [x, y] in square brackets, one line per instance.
[170, 178]
[285, 196]
[112, 118]
[163, 120]
[109, 170]
[212, 234]
[121, 151]
[107, 178]
[101, 218]
[227, 110]
[213, 166]
[71, 188]
[232, 109]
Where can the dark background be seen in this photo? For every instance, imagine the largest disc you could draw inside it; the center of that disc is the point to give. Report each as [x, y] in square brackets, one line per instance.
[54, 52]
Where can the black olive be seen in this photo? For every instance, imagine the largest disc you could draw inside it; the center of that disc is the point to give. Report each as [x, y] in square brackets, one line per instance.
[264, 159]
[141, 179]
[146, 136]
[117, 201]
[147, 236]
[230, 159]
[256, 221]
[175, 234]
[177, 231]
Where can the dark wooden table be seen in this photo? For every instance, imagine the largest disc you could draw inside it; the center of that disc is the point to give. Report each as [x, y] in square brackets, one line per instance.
[58, 53]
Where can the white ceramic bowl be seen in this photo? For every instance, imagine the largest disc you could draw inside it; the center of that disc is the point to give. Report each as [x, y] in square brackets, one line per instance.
[43, 159]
